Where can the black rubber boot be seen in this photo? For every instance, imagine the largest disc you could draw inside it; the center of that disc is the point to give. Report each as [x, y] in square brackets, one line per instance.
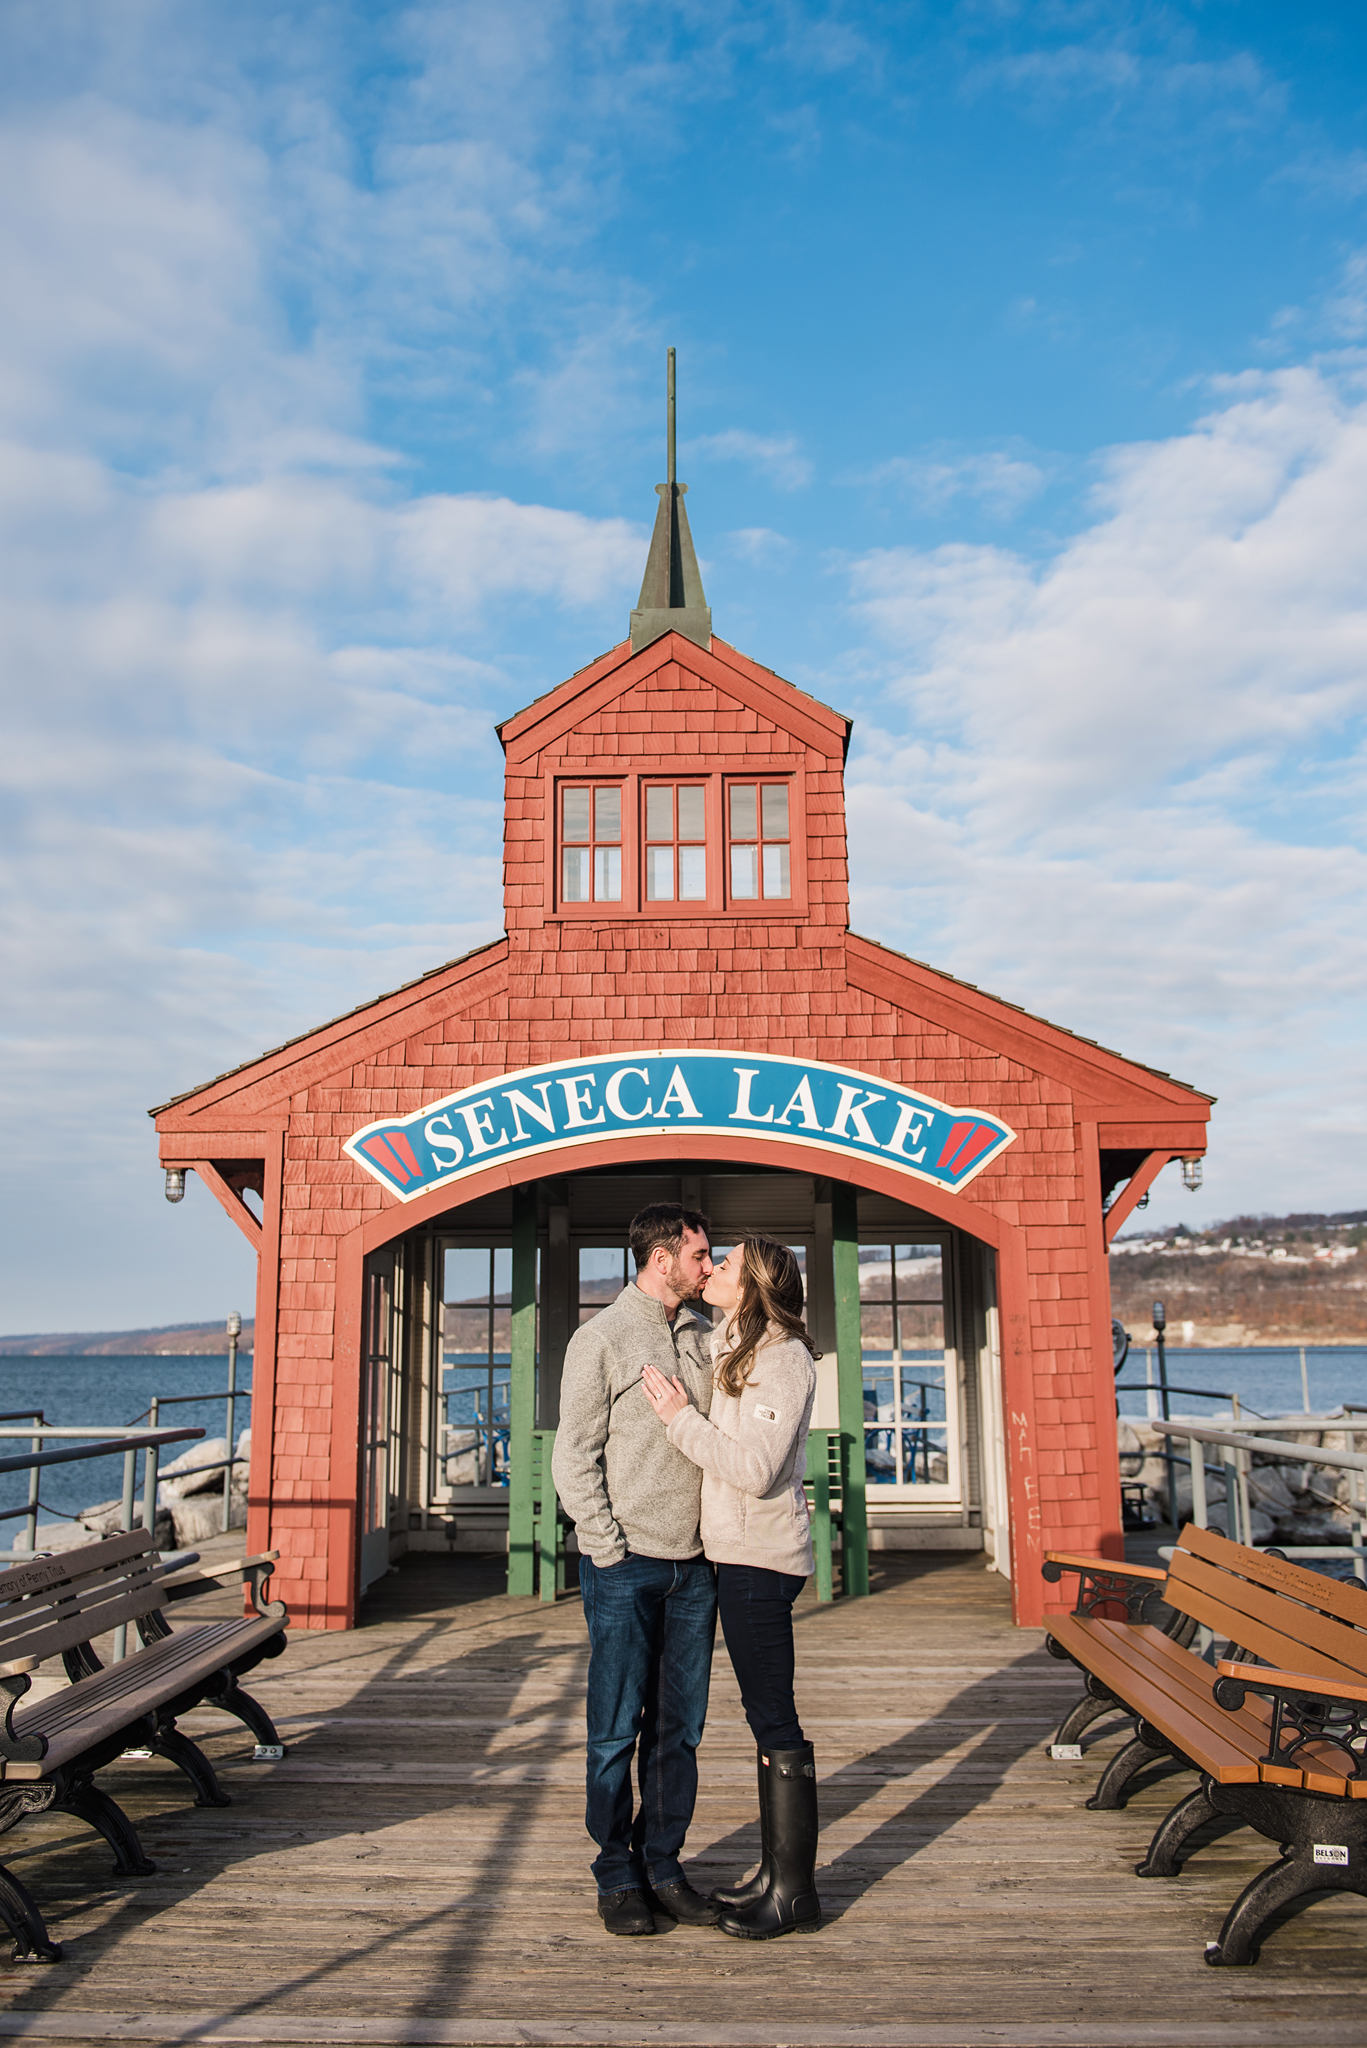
[790, 1904]
[754, 1887]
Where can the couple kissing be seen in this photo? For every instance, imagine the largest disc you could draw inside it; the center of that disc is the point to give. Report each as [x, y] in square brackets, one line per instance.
[679, 1457]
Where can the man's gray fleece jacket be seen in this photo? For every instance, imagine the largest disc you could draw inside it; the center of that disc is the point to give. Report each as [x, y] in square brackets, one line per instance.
[620, 1479]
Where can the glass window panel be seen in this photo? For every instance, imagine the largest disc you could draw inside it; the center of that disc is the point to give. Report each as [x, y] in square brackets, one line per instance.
[577, 814]
[604, 1270]
[692, 814]
[921, 1325]
[875, 1323]
[607, 874]
[607, 814]
[875, 1273]
[574, 887]
[776, 875]
[465, 1275]
[465, 1332]
[744, 822]
[775, 805]
[744, 870]
[659, 814]
[692, 873]
[660, 874]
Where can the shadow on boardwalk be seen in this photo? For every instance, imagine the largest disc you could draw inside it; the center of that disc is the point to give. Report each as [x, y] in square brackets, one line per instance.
[420, 1861]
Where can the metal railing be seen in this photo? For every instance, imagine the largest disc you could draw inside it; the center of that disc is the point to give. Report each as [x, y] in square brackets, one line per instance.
[152, 1471]
[1170, 1387]
[111, 1442]
[1257, 1437]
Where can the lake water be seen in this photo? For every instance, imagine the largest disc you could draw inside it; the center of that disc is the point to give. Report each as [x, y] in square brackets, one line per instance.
[1267, 1381]
[117, 1390]
[110, 1392]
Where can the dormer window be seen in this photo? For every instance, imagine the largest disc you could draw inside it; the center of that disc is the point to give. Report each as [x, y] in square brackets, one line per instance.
[719, 842]
[760, 840]
[591, 843]
[676, 849]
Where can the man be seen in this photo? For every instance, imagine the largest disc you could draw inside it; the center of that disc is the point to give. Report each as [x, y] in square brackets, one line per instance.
[650, 1597]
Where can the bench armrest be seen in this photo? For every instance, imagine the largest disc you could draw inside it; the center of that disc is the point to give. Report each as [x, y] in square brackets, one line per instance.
[1068, 1561]
[1302, 1685]
[255, 1570]
[1309, 1715]
[1105, 1585]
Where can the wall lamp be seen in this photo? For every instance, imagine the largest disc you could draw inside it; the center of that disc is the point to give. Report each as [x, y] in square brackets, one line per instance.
[1191, 1174]
[175, 1183]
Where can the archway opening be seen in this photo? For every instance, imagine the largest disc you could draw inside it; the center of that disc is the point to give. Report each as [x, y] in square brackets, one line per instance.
[902, 1304]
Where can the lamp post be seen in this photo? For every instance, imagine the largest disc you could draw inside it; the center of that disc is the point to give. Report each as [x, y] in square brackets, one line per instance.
[234, 1332]
[1160, 1328]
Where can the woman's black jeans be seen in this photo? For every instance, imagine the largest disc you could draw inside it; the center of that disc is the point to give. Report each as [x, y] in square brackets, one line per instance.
[756, 1610]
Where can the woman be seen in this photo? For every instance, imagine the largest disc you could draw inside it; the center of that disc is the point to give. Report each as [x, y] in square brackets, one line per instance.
[755, 1529]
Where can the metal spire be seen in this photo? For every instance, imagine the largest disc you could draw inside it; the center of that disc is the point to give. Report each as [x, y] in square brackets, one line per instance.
[672, 598]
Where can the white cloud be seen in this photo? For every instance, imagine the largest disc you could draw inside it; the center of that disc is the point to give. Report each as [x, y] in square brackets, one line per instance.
[757, 543]
[1128, 788]
[779, 456]
[1000, 483]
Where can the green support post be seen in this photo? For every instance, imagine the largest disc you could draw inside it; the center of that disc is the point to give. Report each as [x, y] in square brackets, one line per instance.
[522, 1395]
[849, 1353]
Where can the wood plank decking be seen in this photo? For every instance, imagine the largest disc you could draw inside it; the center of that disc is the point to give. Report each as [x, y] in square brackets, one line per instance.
[416, 1870]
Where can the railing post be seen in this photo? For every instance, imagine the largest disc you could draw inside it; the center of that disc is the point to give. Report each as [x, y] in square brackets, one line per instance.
[150, 1467]
[234, 1329]
[522, 1394]
[130, 1486]
[849, 1349]
[1200, 1514]
[31, 1519]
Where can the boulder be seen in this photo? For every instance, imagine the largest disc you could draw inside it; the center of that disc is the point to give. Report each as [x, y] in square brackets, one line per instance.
[197, 1519]
[1268, 1490]
[106, 1519]
[193, 1497]
[184, 1476]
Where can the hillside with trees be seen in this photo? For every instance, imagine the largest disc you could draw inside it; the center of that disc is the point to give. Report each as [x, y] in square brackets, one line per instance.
[1299, 1279]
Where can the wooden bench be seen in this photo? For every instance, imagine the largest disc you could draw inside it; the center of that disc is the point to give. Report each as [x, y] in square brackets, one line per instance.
[51, 1749]
[1279, 1743]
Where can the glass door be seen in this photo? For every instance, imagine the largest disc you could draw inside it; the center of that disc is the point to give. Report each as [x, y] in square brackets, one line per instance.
[382, 1461]
[474, 1369]
[911, 1419]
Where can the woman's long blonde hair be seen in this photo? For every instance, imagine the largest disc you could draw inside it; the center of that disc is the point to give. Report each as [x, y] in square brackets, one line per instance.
[770, 1293]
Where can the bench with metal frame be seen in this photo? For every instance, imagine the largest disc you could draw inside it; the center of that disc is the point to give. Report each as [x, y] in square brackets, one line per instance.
[1279, 1745]
[51, 1749]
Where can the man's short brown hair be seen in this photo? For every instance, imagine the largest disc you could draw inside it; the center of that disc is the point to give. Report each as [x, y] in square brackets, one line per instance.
[663, 1223]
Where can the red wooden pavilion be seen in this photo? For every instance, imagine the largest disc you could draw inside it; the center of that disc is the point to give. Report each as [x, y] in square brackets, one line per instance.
[446, 1174]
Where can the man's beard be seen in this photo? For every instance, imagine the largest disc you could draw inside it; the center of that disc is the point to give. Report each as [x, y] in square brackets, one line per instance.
[680, 1285]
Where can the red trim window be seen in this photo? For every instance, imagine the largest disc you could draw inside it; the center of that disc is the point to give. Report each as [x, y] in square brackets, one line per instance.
[760, 841]
[591, 843]
[676, 842]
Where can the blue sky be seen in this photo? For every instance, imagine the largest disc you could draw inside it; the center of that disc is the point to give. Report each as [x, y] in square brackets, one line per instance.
[1023, 401]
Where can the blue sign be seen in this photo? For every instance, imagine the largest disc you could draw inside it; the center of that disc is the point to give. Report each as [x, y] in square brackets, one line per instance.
[701, 1094]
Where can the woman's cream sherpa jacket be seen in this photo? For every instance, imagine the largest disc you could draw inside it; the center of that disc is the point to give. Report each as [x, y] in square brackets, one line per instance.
[752, 1451]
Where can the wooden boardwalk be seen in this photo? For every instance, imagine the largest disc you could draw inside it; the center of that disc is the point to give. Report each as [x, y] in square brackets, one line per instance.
[416, 1870]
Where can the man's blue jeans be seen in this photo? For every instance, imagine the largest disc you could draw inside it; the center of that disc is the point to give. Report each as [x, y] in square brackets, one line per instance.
[651, 1622]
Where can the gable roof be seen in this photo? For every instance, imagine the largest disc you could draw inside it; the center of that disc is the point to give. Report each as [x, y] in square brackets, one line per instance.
[762, 689]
